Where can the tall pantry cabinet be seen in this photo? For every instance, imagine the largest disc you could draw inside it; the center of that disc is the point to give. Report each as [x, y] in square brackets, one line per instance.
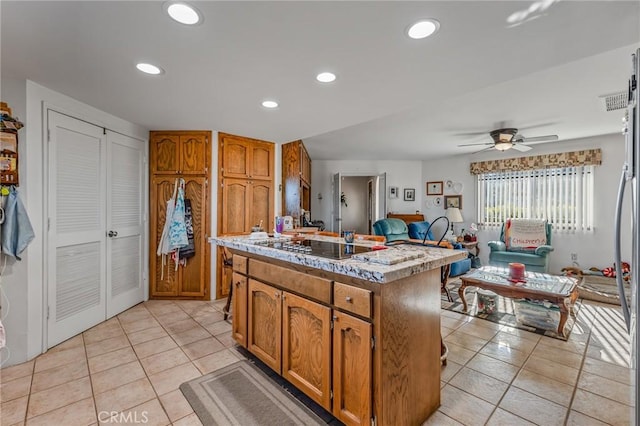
[296, 179]
[246, 169]
[186, 155]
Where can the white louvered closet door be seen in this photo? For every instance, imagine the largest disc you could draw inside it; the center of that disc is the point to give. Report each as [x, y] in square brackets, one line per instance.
[125, 222]
[77, 223]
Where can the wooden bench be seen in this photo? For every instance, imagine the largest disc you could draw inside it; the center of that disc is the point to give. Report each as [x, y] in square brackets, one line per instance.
[407, 218]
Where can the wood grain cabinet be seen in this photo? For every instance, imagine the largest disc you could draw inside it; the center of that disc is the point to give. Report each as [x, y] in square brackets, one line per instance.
[306, 347]
[186, 155]
[296, 179]
[352, 369]
[183, 153]
[246, 203]
[265, 323]
[246, 158]
[246, 190]
[239, 326]
[324, 352]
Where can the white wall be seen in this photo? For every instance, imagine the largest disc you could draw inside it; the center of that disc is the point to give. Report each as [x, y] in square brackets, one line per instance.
[403, 174]
[593, 248]
[13, 291]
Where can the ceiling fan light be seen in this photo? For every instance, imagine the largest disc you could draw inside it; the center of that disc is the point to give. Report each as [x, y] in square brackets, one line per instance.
[503, 145]
[505, 137]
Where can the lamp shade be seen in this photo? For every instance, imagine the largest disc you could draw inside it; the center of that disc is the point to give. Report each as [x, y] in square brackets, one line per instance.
[454, 215]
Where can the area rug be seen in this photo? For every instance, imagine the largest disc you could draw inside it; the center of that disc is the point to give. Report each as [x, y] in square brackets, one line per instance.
[505, 311]
[241, 394]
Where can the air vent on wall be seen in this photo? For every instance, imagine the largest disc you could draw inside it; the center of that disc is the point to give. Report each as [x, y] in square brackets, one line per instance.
[615, 101]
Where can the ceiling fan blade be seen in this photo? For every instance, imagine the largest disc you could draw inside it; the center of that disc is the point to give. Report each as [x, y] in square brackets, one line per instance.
[470, 134]
[482, 150]
[520, 147]
[548, 138]
[472, 144]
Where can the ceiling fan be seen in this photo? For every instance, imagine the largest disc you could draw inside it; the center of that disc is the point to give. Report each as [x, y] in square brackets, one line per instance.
[507, 138]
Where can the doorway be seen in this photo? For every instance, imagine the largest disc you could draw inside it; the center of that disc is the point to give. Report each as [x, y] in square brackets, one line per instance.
[358, 201]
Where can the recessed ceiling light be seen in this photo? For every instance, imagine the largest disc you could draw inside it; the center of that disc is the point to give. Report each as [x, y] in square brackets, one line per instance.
[424, 28]
[326, 77]
[270, 104]
[183, 13]
[149, 69]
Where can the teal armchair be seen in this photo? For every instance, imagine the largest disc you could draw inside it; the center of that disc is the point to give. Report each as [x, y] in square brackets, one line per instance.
[535, 260]
[394, 230]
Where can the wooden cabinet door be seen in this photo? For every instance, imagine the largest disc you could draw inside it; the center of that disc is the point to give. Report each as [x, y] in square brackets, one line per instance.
[164, 279]
[265, 323]
[235, 207]
[262, 206]
[352, 369]
[306, 347]
[193, 153]
[164, 153]
[194, 279]
[236, 153]
[305, 165]
[262, 161]
[239, 309]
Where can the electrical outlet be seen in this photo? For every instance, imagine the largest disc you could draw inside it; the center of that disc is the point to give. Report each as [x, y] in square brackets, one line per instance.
[574, 257]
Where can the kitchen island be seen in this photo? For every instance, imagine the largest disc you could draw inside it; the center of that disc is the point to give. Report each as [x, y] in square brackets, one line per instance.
[356, 329]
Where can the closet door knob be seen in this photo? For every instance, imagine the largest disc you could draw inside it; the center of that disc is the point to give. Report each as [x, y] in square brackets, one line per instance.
[112, 234]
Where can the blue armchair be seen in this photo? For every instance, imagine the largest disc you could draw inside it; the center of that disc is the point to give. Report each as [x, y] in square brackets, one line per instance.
[418, 229]
[394, 230]
[536, 259]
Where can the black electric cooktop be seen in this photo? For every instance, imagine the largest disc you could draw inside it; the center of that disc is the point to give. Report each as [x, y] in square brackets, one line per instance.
[327, 249]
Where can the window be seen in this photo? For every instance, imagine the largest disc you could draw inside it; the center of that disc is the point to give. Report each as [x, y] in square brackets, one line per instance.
[563, 196]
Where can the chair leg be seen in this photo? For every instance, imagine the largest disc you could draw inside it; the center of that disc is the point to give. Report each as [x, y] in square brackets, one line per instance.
[444, 278]
[444, 351]
[227, 306]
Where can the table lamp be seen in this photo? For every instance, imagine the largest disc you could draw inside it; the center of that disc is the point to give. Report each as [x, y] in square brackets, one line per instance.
[454, 216]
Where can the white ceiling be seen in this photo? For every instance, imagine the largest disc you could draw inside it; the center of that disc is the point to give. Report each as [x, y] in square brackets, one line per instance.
[394, 98]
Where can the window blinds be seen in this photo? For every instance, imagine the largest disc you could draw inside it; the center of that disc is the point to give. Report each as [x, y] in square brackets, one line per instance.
[563, 196]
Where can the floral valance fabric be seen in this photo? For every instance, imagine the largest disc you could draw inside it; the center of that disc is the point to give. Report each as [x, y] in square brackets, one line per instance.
[548, 161]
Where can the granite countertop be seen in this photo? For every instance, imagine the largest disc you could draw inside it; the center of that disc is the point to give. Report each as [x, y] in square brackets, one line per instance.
[380, 266]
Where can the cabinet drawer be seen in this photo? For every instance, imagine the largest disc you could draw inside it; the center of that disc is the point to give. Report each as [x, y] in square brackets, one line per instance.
[298, 282]
[352, 299]
[240, 264]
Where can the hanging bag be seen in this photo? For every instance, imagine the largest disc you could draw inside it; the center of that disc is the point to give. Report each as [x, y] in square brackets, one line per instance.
[190, 249]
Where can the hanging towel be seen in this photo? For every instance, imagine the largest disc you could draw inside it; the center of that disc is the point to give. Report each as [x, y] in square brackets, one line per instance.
[17, 232]
[163, 244]
[177, 228]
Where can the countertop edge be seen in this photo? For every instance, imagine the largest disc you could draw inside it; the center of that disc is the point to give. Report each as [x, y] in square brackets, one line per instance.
[425, 258]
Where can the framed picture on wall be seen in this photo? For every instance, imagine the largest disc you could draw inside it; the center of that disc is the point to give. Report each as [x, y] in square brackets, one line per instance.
[409, 194]
[393, 192]
[435, 188]
[453, 201]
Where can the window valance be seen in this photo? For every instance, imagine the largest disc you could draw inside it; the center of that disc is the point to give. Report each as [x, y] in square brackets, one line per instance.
[588, 157]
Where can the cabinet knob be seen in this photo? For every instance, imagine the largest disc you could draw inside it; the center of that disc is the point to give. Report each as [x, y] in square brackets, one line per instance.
[348, 299]
[112, 234]
[237, 283]
[335, 318]
[276, 294]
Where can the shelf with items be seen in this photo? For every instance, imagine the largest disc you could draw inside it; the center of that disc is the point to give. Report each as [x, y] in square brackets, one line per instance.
[9, 127]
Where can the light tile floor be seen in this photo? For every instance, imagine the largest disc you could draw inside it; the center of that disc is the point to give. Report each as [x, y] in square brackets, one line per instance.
[133, 364]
